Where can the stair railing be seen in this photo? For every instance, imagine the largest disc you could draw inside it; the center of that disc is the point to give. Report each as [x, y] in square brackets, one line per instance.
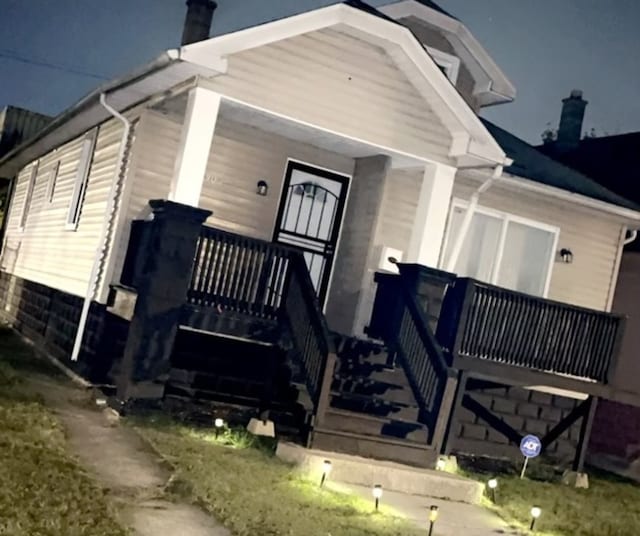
[311, 338]
[419, 353]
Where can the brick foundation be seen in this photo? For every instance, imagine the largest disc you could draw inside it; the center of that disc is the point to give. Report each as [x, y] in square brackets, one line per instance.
[528, 412]
[616, 431]
[50, 317]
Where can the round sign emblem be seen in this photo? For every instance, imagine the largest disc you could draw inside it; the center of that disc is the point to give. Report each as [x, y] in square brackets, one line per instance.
[531, 446]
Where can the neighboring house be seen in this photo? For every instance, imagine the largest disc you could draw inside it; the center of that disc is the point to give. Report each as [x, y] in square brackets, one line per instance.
[611, 161]
[17, 125]
[314, 148]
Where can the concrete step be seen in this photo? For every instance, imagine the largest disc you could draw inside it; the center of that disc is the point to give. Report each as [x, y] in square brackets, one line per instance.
[396, 477]
[376, 447]
[360, 423]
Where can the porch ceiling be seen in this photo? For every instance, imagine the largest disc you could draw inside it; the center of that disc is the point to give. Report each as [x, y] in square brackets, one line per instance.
[324, 139]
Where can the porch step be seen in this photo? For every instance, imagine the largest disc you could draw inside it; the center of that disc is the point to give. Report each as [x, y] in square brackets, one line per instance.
[349, 421]
[217, 387]
[393, 391]
[379, 448]
[356, 470]
[375, 406]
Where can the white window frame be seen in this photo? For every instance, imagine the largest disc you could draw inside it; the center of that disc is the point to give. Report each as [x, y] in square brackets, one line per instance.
[449, 62]
[81, 180]
[505, 217]
[28, 196]
[51, 182]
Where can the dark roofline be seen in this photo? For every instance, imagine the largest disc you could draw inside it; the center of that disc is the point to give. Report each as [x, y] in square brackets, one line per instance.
[550, 172]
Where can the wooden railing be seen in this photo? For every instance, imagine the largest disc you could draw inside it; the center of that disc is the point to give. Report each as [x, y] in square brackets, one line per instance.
[500, 325]
[401, 321]
[310, 333]
[266, 280]
[236, 273]
[422, 359]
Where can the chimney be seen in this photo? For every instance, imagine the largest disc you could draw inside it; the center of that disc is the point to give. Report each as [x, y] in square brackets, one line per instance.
[570, 129]
[197, 23]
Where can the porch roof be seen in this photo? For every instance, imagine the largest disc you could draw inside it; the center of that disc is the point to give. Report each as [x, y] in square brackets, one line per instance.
[472, 144]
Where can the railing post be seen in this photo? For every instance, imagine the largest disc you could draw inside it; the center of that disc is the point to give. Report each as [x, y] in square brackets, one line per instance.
[448, 408]
[465, 297]
[162, 283]
[324, 394]
[612, 366]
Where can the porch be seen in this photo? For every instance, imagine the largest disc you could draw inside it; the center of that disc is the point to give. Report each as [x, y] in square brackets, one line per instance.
[438, 347]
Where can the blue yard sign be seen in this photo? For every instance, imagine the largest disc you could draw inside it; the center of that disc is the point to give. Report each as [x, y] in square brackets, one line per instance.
[530, 446]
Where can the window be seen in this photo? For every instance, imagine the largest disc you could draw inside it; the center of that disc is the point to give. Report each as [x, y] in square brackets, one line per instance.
[503, 250]
[80, 185]
[53, 177]
[449, 64]
[28, 195]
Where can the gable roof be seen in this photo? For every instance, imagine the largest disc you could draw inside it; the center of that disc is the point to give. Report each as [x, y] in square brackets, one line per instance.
[435, 6]
[472, 143]
[530, 163]
[492, 85]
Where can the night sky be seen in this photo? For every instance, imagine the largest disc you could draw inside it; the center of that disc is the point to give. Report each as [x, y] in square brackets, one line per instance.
[545, 47]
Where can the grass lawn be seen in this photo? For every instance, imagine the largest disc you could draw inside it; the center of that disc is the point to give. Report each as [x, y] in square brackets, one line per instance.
[43, 492]
[252, 493]
[610, 507]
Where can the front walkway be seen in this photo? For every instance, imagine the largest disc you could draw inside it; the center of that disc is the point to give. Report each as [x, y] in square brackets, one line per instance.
[454, 518]
[122, 463]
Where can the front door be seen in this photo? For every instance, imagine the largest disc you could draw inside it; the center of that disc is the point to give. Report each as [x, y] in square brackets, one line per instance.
[309, 218]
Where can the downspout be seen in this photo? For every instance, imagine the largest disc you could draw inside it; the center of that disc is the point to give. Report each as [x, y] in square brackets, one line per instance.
[634, 235]
[103, 242]
[466, 222]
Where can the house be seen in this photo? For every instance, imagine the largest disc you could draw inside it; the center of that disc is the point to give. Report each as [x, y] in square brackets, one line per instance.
[17, 125]
[308, 216]
[610, 160]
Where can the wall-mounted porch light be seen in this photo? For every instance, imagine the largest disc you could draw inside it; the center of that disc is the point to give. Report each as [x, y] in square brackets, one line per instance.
[566, 255]
[262, 188]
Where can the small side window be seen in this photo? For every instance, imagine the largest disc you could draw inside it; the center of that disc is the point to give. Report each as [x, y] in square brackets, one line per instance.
[51, 184]
[80, 185]
[28, 196]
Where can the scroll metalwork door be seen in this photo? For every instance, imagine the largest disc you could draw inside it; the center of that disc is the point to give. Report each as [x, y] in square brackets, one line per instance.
[310, 216]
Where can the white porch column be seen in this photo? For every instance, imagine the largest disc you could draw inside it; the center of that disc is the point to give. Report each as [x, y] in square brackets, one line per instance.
[195, 143]
[430, 223]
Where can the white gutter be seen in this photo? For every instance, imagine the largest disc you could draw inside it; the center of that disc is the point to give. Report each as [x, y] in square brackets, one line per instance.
[103, 243]
[466, 222]
[634, 235]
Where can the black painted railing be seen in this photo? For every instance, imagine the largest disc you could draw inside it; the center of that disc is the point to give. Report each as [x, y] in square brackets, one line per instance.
[310, 333]
[504, 326]
[422, 359]
[236, 273]
[266, 280]
[408, 333]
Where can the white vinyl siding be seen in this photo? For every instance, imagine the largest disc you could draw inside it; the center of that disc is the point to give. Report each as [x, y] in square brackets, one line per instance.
[240, 157]
[45, 252]
[591, 235]
[337, 82]
[399, 206]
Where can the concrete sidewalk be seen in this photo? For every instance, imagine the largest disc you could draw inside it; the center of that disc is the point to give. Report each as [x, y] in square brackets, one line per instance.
[123, 464]
[454, 518]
